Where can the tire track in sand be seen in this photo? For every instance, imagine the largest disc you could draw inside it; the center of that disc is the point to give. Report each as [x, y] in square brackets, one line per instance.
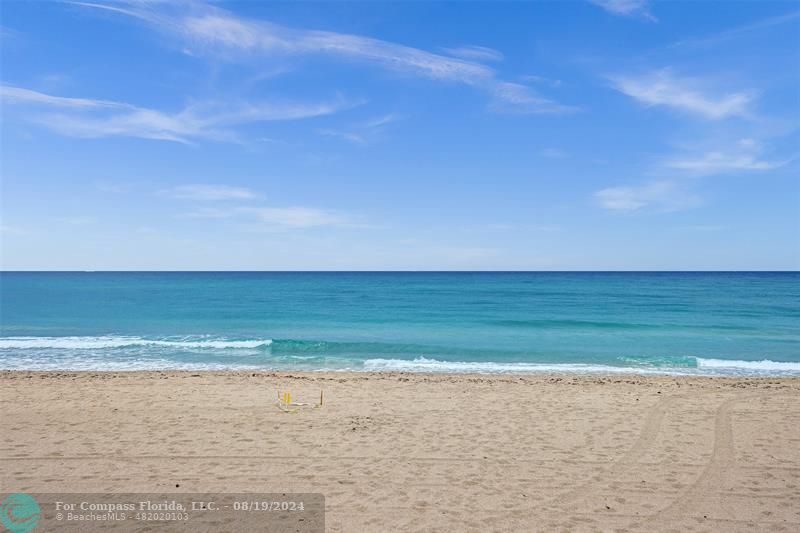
[647, 438]
[702, 496]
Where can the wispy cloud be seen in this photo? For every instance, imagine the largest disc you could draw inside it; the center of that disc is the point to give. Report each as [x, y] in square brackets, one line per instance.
[663, 88]
[746, 155]
[230, 205]
[297, 217]
[279, 218]
[626, 8]
[475, 53]
[138, 13]
[662, 196]
[716, 162]
[92, 118]
[363, 132]
[673, 193]
[19, 95]
[210, 29]
[739, 30]
[221, 29]
[207, 192]
[510, 97]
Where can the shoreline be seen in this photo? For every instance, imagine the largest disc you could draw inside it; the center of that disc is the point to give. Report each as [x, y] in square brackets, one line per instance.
[355, 373]
[412, 451]
[328, 374]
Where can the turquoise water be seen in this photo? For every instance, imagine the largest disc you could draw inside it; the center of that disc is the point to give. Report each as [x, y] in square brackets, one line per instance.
[708, 323]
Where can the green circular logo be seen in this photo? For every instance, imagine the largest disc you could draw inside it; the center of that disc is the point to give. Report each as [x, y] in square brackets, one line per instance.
[20, 512]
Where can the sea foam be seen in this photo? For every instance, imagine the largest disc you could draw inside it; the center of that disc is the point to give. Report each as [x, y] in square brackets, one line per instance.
[94, 343]
[422, 364]
[765, 365]
[703, 367]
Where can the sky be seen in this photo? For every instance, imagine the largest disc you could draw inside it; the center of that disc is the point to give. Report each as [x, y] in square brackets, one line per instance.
[571, 135]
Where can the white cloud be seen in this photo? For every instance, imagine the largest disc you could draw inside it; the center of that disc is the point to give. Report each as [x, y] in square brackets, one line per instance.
[19, 95]
[745, 156]
[739, 30]
[517, 98]
[476, 53]
[279, 218]
[665, 89]
[90, 118]
[205, 192]
[363, 132]
[219, 28]
[626, 8]
[716, 162]
[142, 14]
[672, 194]
[381, 121]
[297, 217]
[207, 28]
[663, 196]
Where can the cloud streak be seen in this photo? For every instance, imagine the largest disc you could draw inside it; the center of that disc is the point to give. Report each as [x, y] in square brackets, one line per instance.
[210, 29]
[671, 194]
[663, 88]
[662, 196]
[19, 95]
[206, 192]
[279, 218]
[626, 8]
[510, 97]
[475, 53]
[297, 217]
[737, 31]
[361, 133]
[744, 157]
[718, 162]
[91, 118]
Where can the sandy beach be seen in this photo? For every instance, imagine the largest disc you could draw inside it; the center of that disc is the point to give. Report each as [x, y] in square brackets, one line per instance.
[414, 452]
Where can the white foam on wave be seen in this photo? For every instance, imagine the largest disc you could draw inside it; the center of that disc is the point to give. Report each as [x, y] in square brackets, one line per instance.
[704, 367]
[94, 343]
[421, 364]
[765, 365]
[93, 365]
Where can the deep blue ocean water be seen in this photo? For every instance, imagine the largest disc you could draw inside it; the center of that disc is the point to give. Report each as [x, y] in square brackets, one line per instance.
[708, 323]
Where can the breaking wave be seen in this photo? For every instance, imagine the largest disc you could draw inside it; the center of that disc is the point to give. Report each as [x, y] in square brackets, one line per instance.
[95, 343]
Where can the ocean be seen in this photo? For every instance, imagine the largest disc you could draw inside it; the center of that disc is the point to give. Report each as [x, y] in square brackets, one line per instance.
[607, 322]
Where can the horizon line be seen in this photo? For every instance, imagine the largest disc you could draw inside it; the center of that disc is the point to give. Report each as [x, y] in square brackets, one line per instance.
[576, 271]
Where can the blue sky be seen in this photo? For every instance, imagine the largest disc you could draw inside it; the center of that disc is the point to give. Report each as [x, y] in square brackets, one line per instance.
[618, 134]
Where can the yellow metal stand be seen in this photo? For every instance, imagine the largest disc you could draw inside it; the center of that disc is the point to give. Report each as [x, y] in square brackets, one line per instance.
[286, 404]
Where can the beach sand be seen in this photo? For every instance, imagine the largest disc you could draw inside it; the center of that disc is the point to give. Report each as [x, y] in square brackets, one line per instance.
[413, 452]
